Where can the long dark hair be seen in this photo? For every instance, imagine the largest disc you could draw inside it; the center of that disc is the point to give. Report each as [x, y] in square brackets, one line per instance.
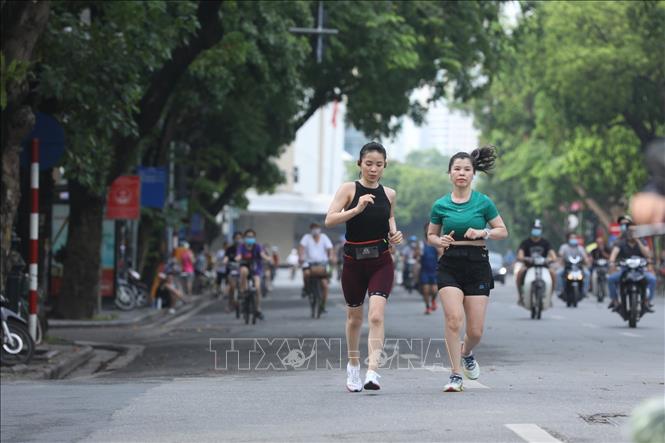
[482, 159]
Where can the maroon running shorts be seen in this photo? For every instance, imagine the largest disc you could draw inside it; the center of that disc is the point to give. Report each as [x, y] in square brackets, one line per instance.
[372, 276]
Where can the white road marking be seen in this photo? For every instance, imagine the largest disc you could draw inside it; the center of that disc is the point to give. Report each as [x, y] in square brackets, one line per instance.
[532, 433]
[630, 334]
[590, 325]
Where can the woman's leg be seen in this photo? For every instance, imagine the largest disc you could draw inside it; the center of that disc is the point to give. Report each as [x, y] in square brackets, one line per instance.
[426, 295]
[475, 307]
[377, 306]
[354, 321]
[452, 300]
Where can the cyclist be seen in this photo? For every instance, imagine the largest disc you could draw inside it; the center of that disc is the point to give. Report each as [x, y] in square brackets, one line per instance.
[315, 248]
[232, 272]
[251, 255]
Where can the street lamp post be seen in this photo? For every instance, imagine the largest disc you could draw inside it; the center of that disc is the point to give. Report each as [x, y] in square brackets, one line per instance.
[319, 31]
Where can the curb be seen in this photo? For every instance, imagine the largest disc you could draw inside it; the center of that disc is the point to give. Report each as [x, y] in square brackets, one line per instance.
[59, 370]
[127, 353]
[144, 320]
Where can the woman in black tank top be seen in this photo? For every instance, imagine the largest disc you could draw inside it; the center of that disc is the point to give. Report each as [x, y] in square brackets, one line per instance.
[367, 208]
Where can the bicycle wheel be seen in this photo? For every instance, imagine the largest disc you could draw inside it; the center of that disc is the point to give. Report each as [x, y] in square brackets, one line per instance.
[314, 298]
[245, 307]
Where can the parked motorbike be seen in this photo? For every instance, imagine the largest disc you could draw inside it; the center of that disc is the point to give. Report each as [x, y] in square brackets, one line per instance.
[17, 344]
[140, 289]
[574, 279]
[600, 283]
[633, 289]
[537, 286]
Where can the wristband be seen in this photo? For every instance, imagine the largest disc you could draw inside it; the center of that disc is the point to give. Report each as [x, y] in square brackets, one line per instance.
[487, 233]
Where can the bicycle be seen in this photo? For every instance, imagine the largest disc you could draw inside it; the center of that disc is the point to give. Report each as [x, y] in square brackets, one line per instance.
[248, 303]
[317, 272]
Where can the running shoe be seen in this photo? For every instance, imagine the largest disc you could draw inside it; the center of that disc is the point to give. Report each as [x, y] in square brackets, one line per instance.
[454, 384]
[353, 382]
[372, 381]
[428, 310]
[471, 367]
[433, 306]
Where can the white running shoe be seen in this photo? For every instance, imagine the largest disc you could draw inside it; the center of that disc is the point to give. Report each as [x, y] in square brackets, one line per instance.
[471, 367]
[372, 381]
[454, 384]
[353, 382]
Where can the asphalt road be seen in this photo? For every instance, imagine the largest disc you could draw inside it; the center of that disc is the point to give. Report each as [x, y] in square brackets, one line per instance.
[574, 376]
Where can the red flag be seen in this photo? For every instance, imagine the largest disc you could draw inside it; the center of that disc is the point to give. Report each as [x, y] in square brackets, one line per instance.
[334, 116]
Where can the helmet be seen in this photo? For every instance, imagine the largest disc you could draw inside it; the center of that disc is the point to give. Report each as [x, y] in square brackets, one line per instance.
[537, 224]
[625, 219]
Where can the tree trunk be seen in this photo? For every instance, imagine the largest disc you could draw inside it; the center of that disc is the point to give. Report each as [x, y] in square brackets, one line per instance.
[602, 215]
[22, 24]
[80, 286]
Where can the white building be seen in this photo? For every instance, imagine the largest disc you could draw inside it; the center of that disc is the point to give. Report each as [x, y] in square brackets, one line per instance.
[445, 129]
[314, 168]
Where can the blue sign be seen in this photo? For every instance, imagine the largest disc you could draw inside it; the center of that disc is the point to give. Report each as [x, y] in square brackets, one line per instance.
[153, 187]
[51, 142]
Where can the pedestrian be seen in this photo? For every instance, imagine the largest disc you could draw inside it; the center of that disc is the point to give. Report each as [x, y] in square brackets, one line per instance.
[428, 267]
[367, 208]
[464, 275]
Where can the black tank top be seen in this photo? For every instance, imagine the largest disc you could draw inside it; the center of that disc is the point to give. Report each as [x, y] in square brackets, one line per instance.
[372, 223]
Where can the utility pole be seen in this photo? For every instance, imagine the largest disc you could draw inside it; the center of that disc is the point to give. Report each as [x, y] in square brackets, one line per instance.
[319, 31]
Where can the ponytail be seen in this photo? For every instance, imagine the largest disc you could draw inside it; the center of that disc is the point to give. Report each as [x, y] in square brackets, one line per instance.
[482, 159]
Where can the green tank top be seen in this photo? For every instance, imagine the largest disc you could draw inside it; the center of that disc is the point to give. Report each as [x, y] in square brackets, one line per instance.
[474, 213]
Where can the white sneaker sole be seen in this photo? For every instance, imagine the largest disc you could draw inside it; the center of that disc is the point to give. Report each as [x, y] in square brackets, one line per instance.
[449, 388]
[348, 388]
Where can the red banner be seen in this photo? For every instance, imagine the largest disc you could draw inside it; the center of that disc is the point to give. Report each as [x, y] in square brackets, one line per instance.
[124, 198]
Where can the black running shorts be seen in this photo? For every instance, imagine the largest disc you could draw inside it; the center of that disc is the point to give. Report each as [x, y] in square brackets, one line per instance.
[466, 268]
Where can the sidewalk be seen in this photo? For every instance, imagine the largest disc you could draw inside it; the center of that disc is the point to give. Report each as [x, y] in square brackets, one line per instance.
[58, 360]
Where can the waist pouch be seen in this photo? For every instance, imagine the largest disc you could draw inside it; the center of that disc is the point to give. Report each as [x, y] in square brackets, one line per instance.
[471, 253]
[365, 251]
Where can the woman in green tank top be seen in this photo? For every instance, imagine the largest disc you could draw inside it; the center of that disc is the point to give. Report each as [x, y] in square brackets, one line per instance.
[458, 224]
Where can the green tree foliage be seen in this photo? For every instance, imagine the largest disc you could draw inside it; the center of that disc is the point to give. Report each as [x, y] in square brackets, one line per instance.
[570, 107]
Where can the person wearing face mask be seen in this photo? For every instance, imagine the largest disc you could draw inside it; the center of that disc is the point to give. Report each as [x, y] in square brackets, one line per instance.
[628, 246]
[315, 249]
[572, 248]
[251, 255]
[535, 244]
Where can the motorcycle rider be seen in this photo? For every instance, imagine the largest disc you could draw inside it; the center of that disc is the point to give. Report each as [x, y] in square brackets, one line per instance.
[628, 246]
[572, 248]
[535, 244]
[599, 250]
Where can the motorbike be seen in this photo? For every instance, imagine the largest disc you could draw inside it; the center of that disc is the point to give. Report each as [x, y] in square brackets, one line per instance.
[537, 286]
[131, 292]
[17, 344]
[600, 283]
[633, 289]
[574, 279]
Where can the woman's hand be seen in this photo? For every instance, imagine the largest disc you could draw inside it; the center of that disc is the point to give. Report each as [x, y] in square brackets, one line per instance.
[363, 201]
[475, 234]
[395, 238]
[447, 240]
